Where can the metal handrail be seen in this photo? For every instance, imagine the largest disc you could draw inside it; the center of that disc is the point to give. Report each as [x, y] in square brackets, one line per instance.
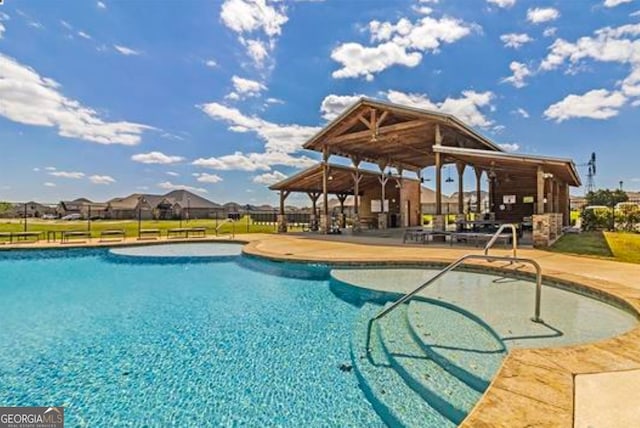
[536, 316]
[233, 226]
[494, 238]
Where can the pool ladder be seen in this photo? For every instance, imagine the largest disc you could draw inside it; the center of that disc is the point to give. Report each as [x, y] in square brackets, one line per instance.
[511, 259]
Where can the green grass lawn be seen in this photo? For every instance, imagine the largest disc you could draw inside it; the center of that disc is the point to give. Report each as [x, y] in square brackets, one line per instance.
[621, 246]
[625, 246]
[131, 226]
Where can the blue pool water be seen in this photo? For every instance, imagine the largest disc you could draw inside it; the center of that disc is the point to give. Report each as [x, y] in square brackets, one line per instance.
[124, 342]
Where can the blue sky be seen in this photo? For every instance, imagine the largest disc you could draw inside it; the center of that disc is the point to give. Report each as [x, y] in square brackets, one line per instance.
[106, 98]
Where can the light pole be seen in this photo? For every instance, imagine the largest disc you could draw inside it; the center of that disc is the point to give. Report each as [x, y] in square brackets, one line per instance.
[188, 209]
[248, 207]
[621, 184]
[89, 218]
[25, 216]
[140, 199]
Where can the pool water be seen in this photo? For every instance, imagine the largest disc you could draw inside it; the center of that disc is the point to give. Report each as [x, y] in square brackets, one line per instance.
[229, 342]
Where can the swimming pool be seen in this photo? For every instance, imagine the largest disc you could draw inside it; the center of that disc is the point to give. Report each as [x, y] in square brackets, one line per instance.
[198, 335]
[158, 343]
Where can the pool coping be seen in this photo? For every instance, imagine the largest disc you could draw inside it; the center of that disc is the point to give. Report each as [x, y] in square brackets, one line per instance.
[533, 387]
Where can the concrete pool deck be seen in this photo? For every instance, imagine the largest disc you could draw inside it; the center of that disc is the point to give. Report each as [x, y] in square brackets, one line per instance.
[534, 387]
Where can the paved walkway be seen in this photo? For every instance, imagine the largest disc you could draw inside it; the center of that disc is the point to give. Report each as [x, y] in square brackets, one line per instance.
[534, 387]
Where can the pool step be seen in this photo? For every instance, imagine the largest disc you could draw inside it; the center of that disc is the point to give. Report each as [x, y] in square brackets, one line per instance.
[394, 400]
[440, 388]
[458, 341]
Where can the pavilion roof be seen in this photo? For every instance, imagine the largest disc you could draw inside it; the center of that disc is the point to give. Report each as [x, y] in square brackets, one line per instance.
[514, 164]
[340, 180]
[395, 135]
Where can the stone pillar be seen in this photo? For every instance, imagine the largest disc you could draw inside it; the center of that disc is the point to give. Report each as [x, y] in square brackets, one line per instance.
[541, 233]
[439, 223]
[382, 221]
[325, 223]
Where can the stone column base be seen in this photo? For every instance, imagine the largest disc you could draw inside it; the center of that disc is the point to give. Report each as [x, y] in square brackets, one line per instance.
[356, 223]
[382, 221]
[439, 223]
[282, 223]
[325, 223]
[313, 222]
[342, 220]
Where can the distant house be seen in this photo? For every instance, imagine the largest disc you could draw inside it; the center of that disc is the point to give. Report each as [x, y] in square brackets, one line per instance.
[82, 206]
[175, 204]
[33, 209]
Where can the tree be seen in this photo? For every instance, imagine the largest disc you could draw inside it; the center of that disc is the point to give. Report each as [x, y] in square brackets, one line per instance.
[606, 197]
[5, 207]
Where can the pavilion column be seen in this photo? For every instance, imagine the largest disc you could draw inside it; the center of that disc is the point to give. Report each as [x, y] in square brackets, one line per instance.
[282, 217]
[460, 167]
[421, 219]
[556, 197]
[357, 176]
[324, 218]
[314, 196]
[439, 221]
[438, 142]
[478, 172]
[341, 198]
[383, 179]
[539, 191]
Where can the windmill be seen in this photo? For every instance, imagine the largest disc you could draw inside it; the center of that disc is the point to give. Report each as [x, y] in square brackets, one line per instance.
[591, 172]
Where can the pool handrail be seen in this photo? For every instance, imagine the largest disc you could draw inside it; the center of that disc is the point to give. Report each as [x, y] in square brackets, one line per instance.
[536, 317]
[494, 238]
[233, 226]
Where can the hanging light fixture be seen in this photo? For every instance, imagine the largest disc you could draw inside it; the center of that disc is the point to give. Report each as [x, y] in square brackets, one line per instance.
[449, 179]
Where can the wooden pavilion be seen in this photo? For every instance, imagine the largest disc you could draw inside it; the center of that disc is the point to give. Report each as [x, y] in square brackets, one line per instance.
[402, 140]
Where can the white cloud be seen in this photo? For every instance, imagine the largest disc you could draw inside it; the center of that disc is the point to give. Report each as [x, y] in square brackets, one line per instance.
[67, 174]
[549, 32]
[595, 104]
[614, 3]
[49, 184]
[269, 178]
[84, 35]
[542, 14]
[101, 5]
[2, 29]
[167, 185]
[208, 178]
[36, 169]
[467, 108]
[522, 112]
[156, 158]
[28, 98]
[272, 100]
[619, 45]
[256, 18]
[281, 138]
[253, 161]
[211, 63]
[510, 147]
[126, 50]
[401, 43]
[520, 73]
[636, 13]
[101, 179]
[502, 3]
[66, 25]
[173, 174]
[50, 168]
[244, 88]
[515, 40]
[332, 105]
